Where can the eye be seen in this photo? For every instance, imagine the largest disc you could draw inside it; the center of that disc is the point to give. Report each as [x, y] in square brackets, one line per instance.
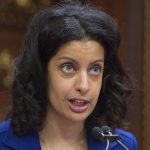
[68, 68]
[95, 70]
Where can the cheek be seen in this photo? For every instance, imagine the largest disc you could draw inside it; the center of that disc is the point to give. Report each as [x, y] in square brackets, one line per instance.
[58, 86]
[97, 88]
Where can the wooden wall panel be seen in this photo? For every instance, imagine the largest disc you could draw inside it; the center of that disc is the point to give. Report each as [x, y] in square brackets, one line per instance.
[146, 78]
[4, 104]
[10, 41]
[134, 30]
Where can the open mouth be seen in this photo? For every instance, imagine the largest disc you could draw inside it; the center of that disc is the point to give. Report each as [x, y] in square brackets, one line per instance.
[78, 105]
[78, 102]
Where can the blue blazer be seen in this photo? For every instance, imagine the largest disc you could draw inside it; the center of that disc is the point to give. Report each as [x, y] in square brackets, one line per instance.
[30, 141]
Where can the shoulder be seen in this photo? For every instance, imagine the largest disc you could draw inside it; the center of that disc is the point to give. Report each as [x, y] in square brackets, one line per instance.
[4, 126]
[125, 134]
[127, 138]
[28, 141]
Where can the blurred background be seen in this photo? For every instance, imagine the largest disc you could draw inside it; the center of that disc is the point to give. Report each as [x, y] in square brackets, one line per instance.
[134, 23]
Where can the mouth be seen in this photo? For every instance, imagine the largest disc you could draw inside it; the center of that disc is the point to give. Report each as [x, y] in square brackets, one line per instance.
[78, 105]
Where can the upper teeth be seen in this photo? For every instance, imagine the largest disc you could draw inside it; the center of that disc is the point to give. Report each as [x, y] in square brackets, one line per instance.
[79, 101]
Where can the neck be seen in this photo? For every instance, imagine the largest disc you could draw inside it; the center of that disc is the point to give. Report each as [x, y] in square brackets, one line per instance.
[63, 130]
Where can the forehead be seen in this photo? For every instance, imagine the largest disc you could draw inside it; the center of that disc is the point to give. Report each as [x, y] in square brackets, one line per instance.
[81, 48]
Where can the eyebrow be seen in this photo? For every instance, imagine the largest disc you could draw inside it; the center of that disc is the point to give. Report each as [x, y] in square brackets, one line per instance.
[71, 59]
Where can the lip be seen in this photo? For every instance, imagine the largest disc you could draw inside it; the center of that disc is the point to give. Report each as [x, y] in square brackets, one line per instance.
[78, 105]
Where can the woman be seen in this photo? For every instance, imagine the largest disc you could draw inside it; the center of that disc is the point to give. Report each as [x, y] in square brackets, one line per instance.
[68, 79]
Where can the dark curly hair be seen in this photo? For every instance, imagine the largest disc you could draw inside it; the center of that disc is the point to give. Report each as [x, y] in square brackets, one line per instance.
[50, 29]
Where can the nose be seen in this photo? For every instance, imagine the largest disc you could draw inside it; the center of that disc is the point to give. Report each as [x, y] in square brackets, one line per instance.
[82, 83]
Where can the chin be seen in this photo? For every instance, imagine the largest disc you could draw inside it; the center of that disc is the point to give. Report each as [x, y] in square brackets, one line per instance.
[79, 118]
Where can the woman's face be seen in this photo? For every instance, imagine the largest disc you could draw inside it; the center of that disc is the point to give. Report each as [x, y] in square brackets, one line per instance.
[74, 79]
